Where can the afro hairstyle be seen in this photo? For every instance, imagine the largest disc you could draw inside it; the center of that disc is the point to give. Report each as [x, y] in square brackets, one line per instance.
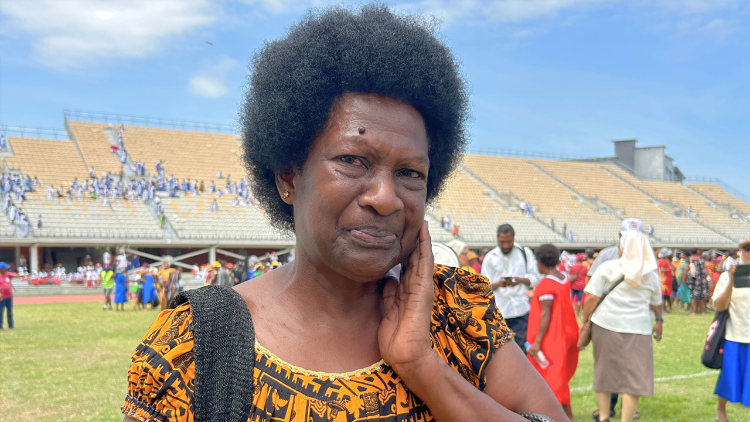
[548, 255]
[294, 82]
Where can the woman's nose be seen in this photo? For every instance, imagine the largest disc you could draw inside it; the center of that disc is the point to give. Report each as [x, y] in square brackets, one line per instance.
[381, 194]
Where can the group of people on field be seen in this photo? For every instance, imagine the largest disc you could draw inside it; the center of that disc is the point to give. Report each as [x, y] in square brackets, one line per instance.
[547, 298]
[689, 277]
[148, 287]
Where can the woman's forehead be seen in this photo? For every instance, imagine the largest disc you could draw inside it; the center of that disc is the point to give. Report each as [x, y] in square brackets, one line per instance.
[352, 108]
[371, 119]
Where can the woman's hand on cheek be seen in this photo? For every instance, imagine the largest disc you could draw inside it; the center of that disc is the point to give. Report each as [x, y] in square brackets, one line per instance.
[404, 333]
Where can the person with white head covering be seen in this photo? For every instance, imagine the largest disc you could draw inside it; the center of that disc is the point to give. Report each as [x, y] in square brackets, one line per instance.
[621, 326]
[463, 254]
[608, 254]
[734, 381]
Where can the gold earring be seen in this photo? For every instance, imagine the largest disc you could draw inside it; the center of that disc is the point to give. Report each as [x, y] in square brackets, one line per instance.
[285, 195]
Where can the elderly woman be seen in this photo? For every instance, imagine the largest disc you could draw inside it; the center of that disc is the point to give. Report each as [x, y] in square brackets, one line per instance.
[734, 380]
[463, 252]
[621, 330]
[351, 125]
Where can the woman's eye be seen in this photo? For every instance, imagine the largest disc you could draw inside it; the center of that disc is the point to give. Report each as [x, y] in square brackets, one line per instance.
[411, 174]
[350, 159]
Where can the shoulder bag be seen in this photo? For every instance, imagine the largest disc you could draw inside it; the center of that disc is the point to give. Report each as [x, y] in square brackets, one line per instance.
[585, 337]
[713, 351]
[224, 348]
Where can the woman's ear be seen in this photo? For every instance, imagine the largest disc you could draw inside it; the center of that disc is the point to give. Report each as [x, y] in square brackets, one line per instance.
[285, 183]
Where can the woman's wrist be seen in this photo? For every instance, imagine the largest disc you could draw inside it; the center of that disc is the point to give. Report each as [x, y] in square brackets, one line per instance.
[417, 372]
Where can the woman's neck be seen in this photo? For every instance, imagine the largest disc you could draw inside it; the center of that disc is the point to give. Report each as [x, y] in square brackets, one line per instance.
[319, 292]
[337, 319]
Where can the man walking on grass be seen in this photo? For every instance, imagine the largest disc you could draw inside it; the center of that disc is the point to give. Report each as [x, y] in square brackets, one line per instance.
[513, 272]
[108, 283]
[6, 294]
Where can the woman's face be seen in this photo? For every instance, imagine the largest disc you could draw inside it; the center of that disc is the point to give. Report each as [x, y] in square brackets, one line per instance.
[463, 258]
[745, 255]
[359, 199]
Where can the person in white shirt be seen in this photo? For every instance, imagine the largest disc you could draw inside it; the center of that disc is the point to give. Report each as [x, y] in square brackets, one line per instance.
[122, 262]
[608, 254]
[513, 272]
[621, 330]
[730, 261]
[734, 380]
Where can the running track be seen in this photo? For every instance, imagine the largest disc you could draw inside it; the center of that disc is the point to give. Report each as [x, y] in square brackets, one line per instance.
[26, 300]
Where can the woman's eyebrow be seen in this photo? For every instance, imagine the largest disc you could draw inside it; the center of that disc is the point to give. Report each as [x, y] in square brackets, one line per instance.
[421, 159]
[360, 141]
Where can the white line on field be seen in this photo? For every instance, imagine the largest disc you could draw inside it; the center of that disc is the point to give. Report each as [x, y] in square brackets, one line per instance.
[676, 377]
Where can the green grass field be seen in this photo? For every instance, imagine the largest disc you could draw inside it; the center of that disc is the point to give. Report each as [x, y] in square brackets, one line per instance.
[68, 362]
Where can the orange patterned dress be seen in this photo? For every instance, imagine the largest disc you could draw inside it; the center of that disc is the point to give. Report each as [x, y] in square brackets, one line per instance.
[466, 329]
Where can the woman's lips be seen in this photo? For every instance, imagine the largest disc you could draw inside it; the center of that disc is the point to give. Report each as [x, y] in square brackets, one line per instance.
[374, 237]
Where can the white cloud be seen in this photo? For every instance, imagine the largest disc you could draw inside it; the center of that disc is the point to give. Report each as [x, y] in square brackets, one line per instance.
[206, 86]
[713, 19]
[499, 11]
[209, 81]
[289, 6]
[719, 28]
[76, 33]
[696, 6]
[524, 18]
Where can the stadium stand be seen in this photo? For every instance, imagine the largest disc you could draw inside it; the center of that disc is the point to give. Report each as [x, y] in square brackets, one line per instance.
[185, 154]
[607, 184]
[52, 161]
[522, 181]
[471, 206]
[7, 228]
[192, 218]
[94, 144]
[718, 195]
[65, 218]
[686, 202]
[589, 198]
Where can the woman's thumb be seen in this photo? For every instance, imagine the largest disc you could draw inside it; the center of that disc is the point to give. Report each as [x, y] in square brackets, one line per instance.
[389, 293]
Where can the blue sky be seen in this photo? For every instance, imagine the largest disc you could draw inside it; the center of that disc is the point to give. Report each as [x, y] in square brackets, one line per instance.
[562, 76]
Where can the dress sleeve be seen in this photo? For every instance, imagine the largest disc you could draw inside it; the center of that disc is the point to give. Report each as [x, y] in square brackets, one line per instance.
[721, 285]
[162, 371]
[466, 327]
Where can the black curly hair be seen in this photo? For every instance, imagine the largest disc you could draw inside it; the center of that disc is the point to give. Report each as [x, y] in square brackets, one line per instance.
[548, 255]
[294, 82]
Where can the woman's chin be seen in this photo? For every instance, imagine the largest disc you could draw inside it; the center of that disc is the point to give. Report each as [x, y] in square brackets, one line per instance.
[368, 270]
[364, 264]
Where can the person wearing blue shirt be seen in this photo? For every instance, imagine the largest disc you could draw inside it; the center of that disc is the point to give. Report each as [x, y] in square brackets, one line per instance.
[149, 290]
[121, 291]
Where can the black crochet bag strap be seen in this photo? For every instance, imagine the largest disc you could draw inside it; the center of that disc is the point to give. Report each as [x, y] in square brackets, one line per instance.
[224, 347]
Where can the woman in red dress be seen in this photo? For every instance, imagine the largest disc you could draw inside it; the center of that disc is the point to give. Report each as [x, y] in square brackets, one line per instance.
[666, 272]
[553, 328]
